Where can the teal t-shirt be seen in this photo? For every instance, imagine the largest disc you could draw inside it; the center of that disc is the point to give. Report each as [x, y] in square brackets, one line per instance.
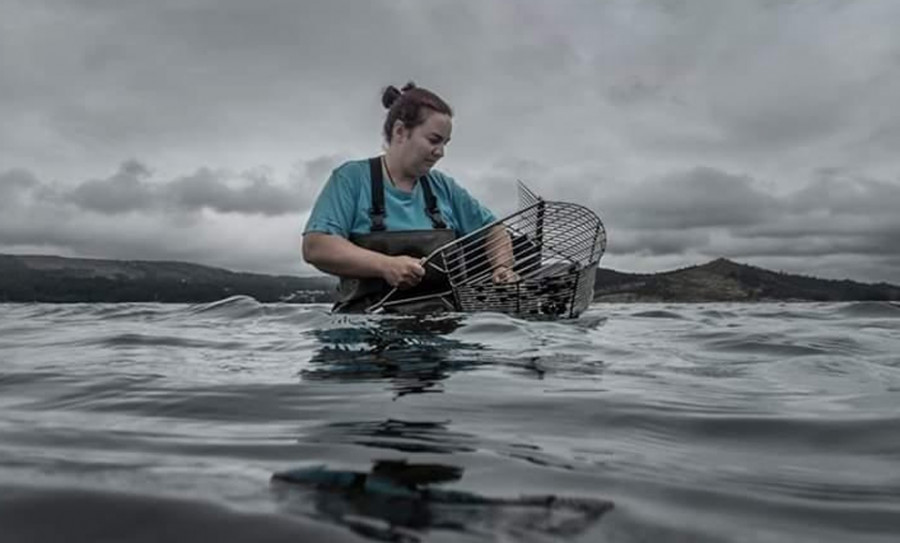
[342, 207]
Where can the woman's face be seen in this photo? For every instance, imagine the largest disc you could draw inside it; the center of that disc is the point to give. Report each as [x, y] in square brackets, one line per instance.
[421, 147]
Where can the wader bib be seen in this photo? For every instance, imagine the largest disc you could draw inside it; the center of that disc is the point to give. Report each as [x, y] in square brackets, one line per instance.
[355, 294]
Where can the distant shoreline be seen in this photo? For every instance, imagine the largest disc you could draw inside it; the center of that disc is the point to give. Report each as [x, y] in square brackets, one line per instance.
[55, 279]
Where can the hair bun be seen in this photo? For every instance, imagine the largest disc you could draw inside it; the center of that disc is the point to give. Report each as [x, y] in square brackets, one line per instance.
[411, 106]
[390, 96]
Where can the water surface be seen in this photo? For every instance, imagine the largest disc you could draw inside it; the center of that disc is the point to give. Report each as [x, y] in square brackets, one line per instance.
[715, 422]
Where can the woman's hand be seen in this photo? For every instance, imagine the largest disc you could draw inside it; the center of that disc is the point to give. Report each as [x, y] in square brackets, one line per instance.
[402, 271]
[504, 274]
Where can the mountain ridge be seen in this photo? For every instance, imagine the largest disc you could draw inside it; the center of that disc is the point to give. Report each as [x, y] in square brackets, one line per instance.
[49, 278]
[723, 280]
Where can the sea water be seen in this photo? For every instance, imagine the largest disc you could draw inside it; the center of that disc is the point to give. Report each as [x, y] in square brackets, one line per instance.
[711, 422]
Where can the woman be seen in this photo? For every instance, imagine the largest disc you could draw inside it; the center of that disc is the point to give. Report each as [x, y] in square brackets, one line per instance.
[375, 219]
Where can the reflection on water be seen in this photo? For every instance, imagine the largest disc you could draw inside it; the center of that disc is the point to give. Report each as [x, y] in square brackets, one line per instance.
[412, 353]
[398, 435]
[708, 423]
[408, 496]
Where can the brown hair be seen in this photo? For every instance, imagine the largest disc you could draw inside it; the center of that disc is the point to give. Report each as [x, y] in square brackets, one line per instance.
[407, 104]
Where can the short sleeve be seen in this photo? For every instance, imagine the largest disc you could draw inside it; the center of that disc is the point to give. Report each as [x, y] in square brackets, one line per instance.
[334, 208]
[470, 213]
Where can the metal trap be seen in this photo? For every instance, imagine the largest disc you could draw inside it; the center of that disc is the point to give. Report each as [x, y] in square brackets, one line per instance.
[551, 248]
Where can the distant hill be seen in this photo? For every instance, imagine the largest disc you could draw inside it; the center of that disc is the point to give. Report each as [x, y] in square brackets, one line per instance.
[725, 281]
[27, 278]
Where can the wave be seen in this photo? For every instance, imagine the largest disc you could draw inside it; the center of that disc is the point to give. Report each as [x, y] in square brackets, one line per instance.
[78, 515]
[871, 309]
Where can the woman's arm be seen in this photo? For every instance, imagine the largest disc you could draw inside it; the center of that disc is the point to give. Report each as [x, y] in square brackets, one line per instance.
[338, 256]
[500, 255]
[471, 215]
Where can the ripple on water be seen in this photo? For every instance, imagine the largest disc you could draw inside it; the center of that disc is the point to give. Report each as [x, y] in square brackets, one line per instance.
[765, 345]
[235, 307]
[701, 423]
[658, 314]
[870, 309]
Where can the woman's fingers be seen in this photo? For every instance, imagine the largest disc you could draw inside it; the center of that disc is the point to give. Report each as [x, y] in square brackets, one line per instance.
[404, 272]
[503, 274]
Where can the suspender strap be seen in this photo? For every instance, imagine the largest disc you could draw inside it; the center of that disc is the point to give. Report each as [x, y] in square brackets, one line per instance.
[431, 204]
[377, 211]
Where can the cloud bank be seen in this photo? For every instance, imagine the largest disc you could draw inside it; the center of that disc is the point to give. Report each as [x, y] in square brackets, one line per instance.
[760, 131]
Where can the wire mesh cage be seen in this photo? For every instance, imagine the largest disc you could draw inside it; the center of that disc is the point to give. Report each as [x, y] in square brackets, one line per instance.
[537, 262]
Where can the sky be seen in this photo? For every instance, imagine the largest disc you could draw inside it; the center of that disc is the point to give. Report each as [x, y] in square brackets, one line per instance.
[762, 131]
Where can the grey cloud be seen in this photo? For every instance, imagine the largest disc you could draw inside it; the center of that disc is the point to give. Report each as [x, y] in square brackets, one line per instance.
[839, 191]
[124, 191]
[657, 243]
[885, 137]
[133, 189]
[17, 179]
[317, 169]
[876, 244]
[710, 213]
[14, 183]
[234, 241]
[701, 76]
[502, 177]
[833, 238]
[701, 197]
[646, 221]
[205, 189]
[586, 101]
[309, 177]
[126, 76]
[143, 240]
[839, 213]
[739, 80]
[635, 90]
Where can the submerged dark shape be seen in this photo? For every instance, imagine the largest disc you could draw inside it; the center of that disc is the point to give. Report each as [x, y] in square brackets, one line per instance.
[403, 495]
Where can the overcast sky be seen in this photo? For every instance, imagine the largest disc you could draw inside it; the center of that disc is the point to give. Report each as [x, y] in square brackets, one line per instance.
[763, 131]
